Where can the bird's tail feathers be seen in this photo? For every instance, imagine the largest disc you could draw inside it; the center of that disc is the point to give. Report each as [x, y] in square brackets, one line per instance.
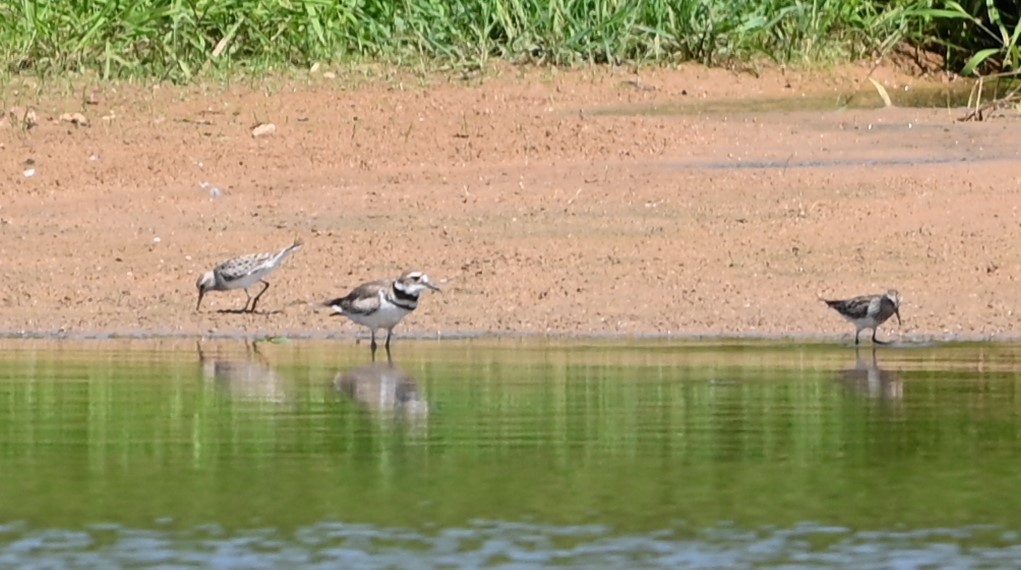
[282, 255]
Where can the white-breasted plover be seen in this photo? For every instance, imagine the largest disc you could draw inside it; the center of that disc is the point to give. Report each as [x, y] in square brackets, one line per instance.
[382, 304]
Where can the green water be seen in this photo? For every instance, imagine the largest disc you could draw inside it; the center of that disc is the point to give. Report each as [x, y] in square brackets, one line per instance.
[525, 453]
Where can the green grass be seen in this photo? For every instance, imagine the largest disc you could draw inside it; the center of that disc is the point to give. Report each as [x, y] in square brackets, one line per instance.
[180, 39]
[979, 34]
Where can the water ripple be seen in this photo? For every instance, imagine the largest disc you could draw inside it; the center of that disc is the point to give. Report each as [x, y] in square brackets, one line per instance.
[506, 545]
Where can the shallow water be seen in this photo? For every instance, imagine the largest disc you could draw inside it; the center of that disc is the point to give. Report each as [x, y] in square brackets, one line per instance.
[949, 97]
[515, 454]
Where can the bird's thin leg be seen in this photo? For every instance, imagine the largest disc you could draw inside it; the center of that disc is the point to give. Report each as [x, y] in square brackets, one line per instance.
[876, 340]
[247, 301]
[856, 333]
[389, 358]
[266, 283]
[372, 345]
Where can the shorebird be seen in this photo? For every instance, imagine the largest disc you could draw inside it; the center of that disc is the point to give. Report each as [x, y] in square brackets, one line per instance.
[868, 311]
[242, 272]
[382, 304]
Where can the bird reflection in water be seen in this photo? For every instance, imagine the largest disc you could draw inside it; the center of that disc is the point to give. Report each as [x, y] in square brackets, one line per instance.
[246, 377]
[385, 391]
[869, 379]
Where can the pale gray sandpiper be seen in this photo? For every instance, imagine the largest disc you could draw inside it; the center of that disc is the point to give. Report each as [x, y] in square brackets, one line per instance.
[382, 304]
[868, 311]
[242, 272]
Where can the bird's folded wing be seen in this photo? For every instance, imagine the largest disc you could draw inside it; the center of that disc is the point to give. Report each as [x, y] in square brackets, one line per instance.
[365, 298]
[241, 267]
[857, 308]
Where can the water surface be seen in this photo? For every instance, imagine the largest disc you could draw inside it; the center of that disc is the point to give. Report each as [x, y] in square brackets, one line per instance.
[508, 453]
[942, 97]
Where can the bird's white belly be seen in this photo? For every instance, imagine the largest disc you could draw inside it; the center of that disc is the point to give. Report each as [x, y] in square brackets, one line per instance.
[864, 323]
[386, 317]
[246, 281]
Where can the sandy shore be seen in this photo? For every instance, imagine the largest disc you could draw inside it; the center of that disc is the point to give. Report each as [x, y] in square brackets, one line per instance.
[594, 202]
